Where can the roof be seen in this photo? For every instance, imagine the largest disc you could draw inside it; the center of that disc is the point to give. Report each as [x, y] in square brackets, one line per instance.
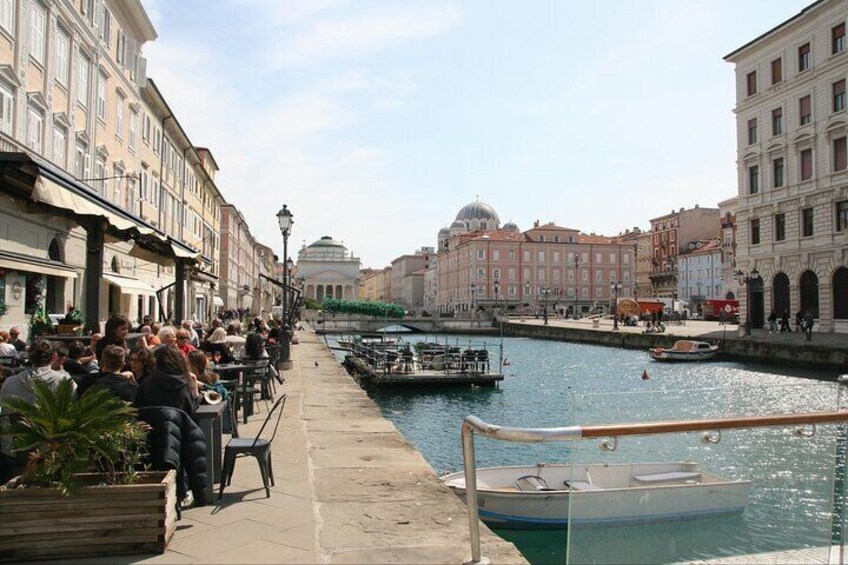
[794, 18]
[594, 239]
[702, 246]
[498, 235]
[326, 241]
[477, 210]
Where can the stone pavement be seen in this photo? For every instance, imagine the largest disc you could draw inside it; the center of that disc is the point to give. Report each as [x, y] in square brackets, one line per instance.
[349, 488]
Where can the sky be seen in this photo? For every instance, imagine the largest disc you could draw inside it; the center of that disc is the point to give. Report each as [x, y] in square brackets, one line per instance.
[376, 121]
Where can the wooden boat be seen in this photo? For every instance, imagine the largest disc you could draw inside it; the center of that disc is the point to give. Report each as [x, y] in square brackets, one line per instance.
[685, 350]
[553, 495]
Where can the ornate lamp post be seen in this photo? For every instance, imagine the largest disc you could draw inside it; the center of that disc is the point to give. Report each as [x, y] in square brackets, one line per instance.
[615, 288]
[576, 278]
[285, 219]
[545, 292]
[747, 279]
[473, 292]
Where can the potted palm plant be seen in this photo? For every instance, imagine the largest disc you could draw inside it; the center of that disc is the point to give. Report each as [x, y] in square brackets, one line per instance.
[81, 492]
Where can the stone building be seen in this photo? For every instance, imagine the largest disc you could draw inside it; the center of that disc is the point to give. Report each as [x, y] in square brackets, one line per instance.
[727, 213]
[408, 278]
[327, 270]
[377, 285]
[792, 167]
[700, 272]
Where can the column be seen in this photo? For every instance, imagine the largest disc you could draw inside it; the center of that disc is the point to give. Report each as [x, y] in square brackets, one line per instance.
[179, 291]
[94, 231]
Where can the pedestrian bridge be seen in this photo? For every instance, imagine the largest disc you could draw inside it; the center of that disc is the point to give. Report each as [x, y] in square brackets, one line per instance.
[354, 324]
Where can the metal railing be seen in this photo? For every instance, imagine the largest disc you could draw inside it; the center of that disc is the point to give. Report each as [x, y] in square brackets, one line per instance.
[474, 424]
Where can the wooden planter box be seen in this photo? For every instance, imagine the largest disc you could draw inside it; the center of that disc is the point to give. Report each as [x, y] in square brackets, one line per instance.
[69, 329]
[41, 523]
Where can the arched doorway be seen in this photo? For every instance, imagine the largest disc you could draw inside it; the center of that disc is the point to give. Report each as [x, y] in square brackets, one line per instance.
[840, 294]
[55, 287]
[780, 293]
[809, 286]
[730, 296]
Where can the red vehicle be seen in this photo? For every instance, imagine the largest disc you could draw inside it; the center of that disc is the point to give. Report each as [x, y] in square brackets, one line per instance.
[713, 307]
[648, 306]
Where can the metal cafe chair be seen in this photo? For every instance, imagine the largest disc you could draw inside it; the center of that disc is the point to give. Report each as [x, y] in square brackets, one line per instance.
[257, 447]
[257, 372]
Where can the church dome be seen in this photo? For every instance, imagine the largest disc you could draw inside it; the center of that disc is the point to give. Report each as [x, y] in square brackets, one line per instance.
[477, 211]
[457, 225]
[444, 231]
[510, 226]
[326, 241]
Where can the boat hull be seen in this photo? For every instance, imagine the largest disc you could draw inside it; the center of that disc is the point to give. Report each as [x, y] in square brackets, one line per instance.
[623, 501]
[668, 355]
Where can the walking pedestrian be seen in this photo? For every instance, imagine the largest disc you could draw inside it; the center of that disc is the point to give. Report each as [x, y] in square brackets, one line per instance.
[809, 320]
[772, 320]
[784, 322]
[799, 321]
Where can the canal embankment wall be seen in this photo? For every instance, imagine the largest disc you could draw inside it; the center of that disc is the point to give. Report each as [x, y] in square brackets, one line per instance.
[824, 353]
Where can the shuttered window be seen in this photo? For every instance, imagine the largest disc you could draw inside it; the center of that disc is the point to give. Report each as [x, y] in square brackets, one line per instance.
[837, 34]
[806, 164]
[805, 110]
[776, 71]
[839, 95]
[752, 83]
[840, 154]
[38, 24]
[752, 131]
[803, 57]
[777, 121]
[7, 110]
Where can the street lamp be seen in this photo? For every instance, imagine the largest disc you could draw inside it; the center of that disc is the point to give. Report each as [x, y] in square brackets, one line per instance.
[545, 292]
[615, 288]
[747, 279]
[473, 291]
[497, 288]
[576, 264]
[285, 219]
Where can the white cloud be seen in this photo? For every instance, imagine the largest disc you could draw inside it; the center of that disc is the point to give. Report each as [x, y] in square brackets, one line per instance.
[277, 13]
[358, 36]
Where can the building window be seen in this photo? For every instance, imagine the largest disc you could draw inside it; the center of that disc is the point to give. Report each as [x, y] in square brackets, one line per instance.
[776, 71]
[82, 84]
[7, 16]
[526, 255]
[840, 154]
[753, 179]
[105, 25]
[777, 121]
[752, 131]
[101, 96]
[99, 174]
[803, 57]
[842, 215]
[61, 58]
[496, 273]
[496, 254]
[35, 127]
[777, 172]
[839, 95]
[779, 227]
[37, 25]
[806, 164]
[7, 110]
[481, 274]
[60, 145]
[755, 231]
[81, 161]
[481, 253]
[541, 256]
[837, 35]
[752, 83]
[807, 222]
[119, 117]
[599, 275]
[805, 110]
[133, 129]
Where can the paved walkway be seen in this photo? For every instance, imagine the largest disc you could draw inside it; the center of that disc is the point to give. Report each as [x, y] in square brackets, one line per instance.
[700, 328]
[349, 488]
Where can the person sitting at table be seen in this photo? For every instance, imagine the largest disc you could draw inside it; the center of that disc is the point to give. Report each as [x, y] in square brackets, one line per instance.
[76, 364]
[42, 356]
[171, 384]
[254, 350]
[214, 325]
[154, 340]
[198, 364]
[167, 336]
[184, 341]
[15, 339]
[110, 377]
[217, 344]
[115, 333]
[142, 363]
[233, 329]
[7, 349]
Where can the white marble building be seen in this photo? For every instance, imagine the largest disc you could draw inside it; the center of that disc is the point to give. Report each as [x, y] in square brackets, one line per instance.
[327, 270]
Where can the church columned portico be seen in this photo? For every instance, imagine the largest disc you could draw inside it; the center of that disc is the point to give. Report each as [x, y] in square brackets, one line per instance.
[328, 270]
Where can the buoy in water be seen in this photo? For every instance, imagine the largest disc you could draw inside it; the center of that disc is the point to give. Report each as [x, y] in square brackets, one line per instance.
[507, 363]
[645, 375]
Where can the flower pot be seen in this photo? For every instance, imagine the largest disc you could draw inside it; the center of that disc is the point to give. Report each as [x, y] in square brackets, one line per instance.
[41, 523]
[69, 329]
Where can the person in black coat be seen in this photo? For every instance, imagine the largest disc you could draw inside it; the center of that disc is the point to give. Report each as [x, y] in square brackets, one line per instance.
[110, 378]
[170, 384]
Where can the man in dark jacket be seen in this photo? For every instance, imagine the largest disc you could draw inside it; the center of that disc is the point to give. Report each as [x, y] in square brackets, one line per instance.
[110, 377]
[170, 384]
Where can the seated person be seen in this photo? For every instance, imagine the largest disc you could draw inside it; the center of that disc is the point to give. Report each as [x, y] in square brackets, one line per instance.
[184, 341]
[216, 343]
[15, 339]
[110, 377]
[7, 348]
[254, 350]
[171, 384]
[42, 356]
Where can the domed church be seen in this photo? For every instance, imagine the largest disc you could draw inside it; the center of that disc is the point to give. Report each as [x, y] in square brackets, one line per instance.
[472, 217]
[328, 270]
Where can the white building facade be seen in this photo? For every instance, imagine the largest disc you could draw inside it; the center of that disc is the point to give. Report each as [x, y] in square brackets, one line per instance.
[792, 161]
[327, 270]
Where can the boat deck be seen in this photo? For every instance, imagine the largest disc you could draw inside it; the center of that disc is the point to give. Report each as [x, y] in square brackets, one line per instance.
[421, 377]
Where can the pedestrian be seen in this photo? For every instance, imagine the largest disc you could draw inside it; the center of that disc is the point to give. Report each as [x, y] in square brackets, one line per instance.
[809, 320]
[772, 320]
[799, 321]
[722, 317]
[784, 322]
[115, 333]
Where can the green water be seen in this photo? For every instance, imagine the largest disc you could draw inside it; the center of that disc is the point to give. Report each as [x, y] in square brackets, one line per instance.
[556, 384]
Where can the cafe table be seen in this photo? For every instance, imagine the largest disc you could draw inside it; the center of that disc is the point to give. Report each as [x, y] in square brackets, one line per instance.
[209, 418]
[226, 371]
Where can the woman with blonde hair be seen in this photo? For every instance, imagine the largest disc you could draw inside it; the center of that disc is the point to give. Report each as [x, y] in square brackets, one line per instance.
[217, 344]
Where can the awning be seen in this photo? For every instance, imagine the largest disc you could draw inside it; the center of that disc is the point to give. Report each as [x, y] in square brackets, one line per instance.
[17, 262]
[129, 285]
[217, 301]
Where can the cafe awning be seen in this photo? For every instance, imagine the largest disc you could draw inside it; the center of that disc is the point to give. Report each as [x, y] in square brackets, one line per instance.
[18, 262]
[130, 285]
[217, 301]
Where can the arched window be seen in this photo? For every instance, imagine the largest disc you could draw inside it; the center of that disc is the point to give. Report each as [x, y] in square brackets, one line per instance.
[730, 296]
[116, 268]
[54, 251]
[810, 293]
[840, 294]
[780, 293]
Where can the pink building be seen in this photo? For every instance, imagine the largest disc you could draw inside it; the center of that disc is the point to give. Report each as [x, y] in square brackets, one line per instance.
[487, 267]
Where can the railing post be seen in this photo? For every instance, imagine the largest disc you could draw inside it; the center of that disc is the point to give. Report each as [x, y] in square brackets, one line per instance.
[469, 461]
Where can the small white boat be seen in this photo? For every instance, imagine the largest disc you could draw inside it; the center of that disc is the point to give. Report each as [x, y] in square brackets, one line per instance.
[684, 350]
[539, 496]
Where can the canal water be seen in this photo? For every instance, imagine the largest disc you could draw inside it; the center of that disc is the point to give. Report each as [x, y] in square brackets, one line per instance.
[551, 384]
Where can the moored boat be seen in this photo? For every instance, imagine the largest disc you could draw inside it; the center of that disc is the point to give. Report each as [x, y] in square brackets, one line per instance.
[684, 350]
[554, 495]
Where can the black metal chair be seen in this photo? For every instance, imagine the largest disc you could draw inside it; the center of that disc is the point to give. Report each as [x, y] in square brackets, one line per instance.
[254, 447]
[257, 373]
[233, 402]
